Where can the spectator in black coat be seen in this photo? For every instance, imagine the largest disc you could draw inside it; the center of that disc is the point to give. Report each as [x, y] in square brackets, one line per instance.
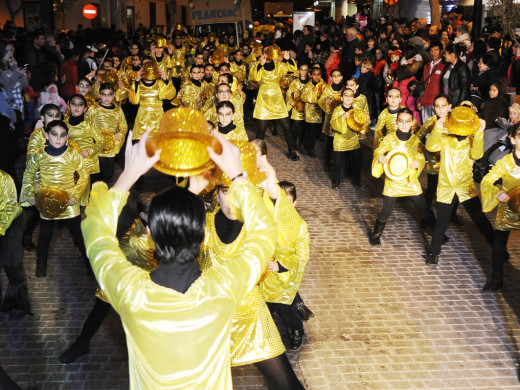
[348, 68]
[485, 77]
[456, 77]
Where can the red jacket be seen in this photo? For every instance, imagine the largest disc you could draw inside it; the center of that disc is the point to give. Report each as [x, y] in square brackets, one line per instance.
[70, 70]
[432, 86]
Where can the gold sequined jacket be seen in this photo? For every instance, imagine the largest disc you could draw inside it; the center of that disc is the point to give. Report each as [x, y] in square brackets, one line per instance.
[190, 342]
[295, 90]
[433, 158]
[310, 96]
[178, 61]
[507, 170]
[270, 103]
[150, 103]
[56, 171]
[112, 120]
[87, 136]
[345, 138]
[456, 168]
[292, 252]
[238, 70]
[409, 186]
[389, 122]
[254, 336]
[9, 207]
[328, 109]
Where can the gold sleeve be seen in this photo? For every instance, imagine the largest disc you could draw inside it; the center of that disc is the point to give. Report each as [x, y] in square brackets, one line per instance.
[417, 154]
[133, 93]
[37, 140]
[477, 145]
[337, 122]
[382, 149]
[83, 177]
[322, 101]
[488, 188]
[9, 207]
[167, 91]
[434, 141]
[27, 191]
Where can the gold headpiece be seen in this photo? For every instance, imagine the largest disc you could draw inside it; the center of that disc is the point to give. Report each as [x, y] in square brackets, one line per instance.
[463, 121]
[161, 42]
[274, 53]
[217, 57]
[150, 70]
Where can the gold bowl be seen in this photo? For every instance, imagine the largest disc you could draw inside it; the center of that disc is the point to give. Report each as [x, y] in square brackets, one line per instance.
[397, 166]
[51, 201]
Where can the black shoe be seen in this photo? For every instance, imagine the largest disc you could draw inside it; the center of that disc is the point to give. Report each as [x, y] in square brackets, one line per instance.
[432, 259]
[335, 185]
[41, 268]
[495, 283]
[291, 155]
[75, 351]
[456, 221]
[296, 339]
[27, 243]
[375, 237]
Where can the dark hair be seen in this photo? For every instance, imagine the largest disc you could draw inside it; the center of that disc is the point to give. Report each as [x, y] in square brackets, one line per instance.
[143, 205]
[454, 49]
[208, 64]
[49, 107]
[261, 144]
[85, 79]
[404, 110]
[513, 130]
[222, 65]
[488, 60]
[104, 86]
[225, 104]
[229, 78]
[195, 66]
[79, 96]
[436, 44]
[289, 188]
[442, 96]
[177, 220]
[56, 123]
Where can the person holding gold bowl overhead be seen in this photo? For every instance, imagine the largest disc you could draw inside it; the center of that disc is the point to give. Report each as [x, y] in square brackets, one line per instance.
[460, 139]
[400, 156]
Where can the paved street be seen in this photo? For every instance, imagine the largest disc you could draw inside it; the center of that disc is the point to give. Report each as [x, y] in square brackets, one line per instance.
[383, 319]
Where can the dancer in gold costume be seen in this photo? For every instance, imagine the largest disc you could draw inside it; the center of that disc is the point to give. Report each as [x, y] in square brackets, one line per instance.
[177, 319]
[403, 141]
[254, 336]
[311, 94]
[57, 164]
[387, 120]
[190, 94]
[109, 119]
[329, 100]
[293, 99]
[507, 220]
[226, 116]
[149, 91]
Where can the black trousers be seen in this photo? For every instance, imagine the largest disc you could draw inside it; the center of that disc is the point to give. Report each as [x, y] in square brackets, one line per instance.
[444, 213]
[94, 320]
[312, 130]
[46, 230]
[431, 191]
[106, 169]
[279, 373]
[286, 314]
[420, 204]
[354, 160]
[499, 249]
[329, 146]
[11, 260]
[297, 129]
[262, 127]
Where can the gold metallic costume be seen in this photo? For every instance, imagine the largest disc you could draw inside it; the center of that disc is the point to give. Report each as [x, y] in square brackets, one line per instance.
[456, 169]
[165, 64]
[433, 158]
[240, 132]
[507, 170]
[189, 94]
[270, 103]
[37, 140]
[112, 120]
[410, 185]
[88, 137]
[292, 252]
[310, 95]
[189, 344]
[254, 336]
[178, 61]
[388, 121]
[345, 138]
[150, 100]
[360, 103]
[9, 207]
[294, 91]
[238, 70]
[56, 171]
[328, 109]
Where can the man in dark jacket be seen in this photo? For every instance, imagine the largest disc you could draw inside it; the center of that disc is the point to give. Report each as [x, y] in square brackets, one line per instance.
[306, 39]
[348, 68]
